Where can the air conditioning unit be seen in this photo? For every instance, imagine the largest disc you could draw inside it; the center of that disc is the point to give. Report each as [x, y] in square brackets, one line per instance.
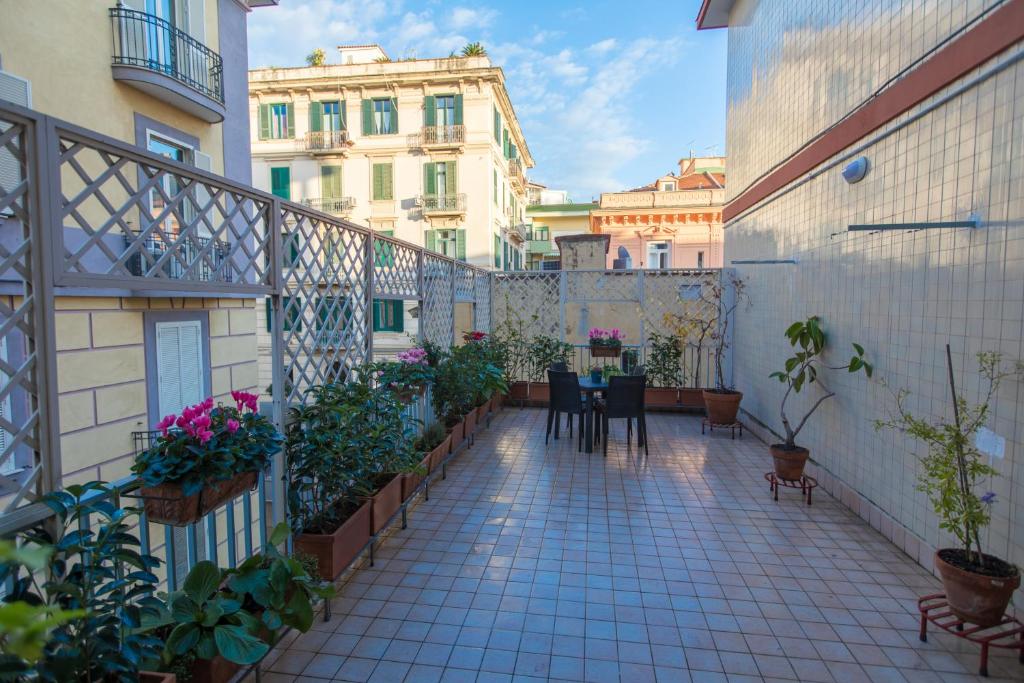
[418, 201]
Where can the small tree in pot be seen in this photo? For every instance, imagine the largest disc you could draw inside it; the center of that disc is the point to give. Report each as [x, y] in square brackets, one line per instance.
[802, 369]
[723, 402]
[978, 586]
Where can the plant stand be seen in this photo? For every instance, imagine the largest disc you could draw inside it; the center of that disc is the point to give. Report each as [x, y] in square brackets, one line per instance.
[731, 426]
[804, 483]
[1007, 634]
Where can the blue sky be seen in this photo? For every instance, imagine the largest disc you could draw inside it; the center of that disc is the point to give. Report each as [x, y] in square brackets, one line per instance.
[610, 94]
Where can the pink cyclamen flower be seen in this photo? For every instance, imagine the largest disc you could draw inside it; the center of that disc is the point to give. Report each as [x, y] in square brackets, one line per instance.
[204, 436]
[616, 334]
[233, 426]
[166, 423]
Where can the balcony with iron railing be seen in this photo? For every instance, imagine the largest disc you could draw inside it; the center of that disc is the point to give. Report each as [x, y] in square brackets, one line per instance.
[161, 60]
[327, 141]
[178, 257]
[443, 204]
[443, 136]
[340, 206]
[519, 232]
[517, 173]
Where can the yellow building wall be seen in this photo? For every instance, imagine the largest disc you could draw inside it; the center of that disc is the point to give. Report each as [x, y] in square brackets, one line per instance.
[101, 373]
[71, 75]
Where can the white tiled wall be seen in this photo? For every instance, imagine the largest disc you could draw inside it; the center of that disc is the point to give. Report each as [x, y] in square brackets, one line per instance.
[903, 295]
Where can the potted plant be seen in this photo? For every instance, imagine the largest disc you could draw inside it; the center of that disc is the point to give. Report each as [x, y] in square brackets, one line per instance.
[723, 402]
[802, 370]
[329, 443]
[433, 445]
[978, 586]
[596, 373]
[407, 376]
[510, 343]
[203, 458]
[664, 370]
[388, 438]
[97, 588]
[605, 343]
[545, 351]
[450, 395]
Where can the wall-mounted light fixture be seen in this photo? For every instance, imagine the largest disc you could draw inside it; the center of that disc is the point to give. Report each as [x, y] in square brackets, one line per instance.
[856, 170]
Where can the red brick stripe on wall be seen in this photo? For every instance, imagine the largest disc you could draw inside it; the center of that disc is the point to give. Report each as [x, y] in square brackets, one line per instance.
[1000, 31]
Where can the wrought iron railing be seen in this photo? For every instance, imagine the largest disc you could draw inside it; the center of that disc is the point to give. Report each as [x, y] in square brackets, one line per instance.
[444, 135]
[150, 42]
[327, 140]
[517, 172]
[337, 205]
[179, 257]
[443, 203]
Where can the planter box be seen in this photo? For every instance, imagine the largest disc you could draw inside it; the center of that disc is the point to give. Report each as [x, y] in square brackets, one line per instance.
[385, 503]
[519, 391]
[336, 550]
[412, 480]
[540, 391]
[458, 435]
[661, 397]
[691, 398]
[440, 452]
[496, 403]
[605, 351]
[216, 670]
[469, 419]
[165, 504]
[157, 677]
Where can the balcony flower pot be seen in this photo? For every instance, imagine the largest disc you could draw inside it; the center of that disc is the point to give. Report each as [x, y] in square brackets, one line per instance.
[157, 677]
[722, 405]
[457, 434]
[412, 480]
[334, 551]
[975, 597]
[691, 398]
[385, 503]
[605, 350]
[789, 462]
[469, 419]
[540, 391]
[661, 397]
[440, 452]
[214, 670]
[167, 503]
[519, 391]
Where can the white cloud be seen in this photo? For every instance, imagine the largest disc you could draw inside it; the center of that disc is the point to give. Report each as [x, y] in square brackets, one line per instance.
[469, 18]
[603, 47]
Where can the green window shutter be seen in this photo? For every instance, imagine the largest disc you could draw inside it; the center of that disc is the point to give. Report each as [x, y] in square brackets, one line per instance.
[458, 110]
[330, 182]
[290, 109]
[460, 244]
[429, 178]
[280, 182]
[316, 116]
[384, 253]
[494, 173]
[394, 115]
[389, 182]
[497, 126]
[504, 142]
[497, 251]
[512, 151]
[429, 111]
[398, 316]
[378, 181]
[430, 240]
[264, 121]
[452, 177]
[343, 115]
[367, 117]
[376, 315]
[291, 314]
[270, 313]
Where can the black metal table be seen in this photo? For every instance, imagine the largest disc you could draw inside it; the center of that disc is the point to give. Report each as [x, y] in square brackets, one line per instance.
[589, 388]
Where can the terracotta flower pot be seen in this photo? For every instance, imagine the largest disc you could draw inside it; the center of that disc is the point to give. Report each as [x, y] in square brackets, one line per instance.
[977, 598]
[157, 677]
[691, 398]
[722, 405]
[789, 464]
[216, 670]
[540, 391]
[469, 419]
[167, 504]
[412, 480]
[458, 435]
[334, 551]
[660, 396]
[603, 351]
[439, 453]
[385, 503]
[519, 391]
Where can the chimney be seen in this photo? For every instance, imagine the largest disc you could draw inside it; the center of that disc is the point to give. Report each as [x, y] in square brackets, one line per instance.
[687, 165]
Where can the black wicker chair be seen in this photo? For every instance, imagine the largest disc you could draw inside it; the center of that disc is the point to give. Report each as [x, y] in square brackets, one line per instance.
[625, 400]
[565, 398]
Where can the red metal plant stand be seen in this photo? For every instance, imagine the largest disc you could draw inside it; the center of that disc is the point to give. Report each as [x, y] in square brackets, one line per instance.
[1008, 634]
[731, 426]
[804, 483]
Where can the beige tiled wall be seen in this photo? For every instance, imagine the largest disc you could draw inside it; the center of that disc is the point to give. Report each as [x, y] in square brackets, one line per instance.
[101, 373]
[902, 294]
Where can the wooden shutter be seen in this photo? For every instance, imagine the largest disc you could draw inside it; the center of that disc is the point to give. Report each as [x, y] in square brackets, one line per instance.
[280, 182]
[430, 240]
[330, 182]
[316, 116]
[291, 314]
[430, 178]
[389, 188]
[429, 111]
[451, 178]
[382, 182]
[397, 316]
[497, 251]
[497, 126]
[458, 110]
[504, 142]
[368, 117]
[460, 244]
[394, 115]
[264, 110]
[290, 112]
[343, 115]
[179, 363]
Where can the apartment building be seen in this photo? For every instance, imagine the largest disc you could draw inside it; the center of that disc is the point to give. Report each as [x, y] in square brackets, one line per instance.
[168, 77]
[426, 150]
[672, 222]
[552, 214]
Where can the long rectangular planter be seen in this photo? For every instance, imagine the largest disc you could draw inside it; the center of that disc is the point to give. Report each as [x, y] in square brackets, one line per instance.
[457, 435]
[691, 398]
[412, 480]
[661, 397]
[385, 503]
[469, 419]
[540, 391]
[157, 677]
[216, 670]
[336, 550]
[440, 452]
[167, 504]
[519, 391]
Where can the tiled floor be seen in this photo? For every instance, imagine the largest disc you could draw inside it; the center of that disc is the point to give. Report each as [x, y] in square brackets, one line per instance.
[534, 563]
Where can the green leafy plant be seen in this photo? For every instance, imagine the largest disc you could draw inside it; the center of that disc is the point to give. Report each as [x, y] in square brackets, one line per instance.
[98, 584]
[431, 438]
[726, 295]
[544, 351]
[474, 49]
[609, 371]
[802, 369]
[664, 360]
[484, 363]
[318, 57]
[511, 343]
[954, 468]
[630, 360]
[407, 375]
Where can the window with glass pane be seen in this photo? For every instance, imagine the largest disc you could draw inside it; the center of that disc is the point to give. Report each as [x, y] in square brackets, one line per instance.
[382, 117]
[331, 120]
[445, 110]
[446, 243]
[169, 183]
[658, 255]
[279, 121]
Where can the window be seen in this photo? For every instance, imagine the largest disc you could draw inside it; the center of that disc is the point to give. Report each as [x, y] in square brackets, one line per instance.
[439, 178]
[668, 186]
[495, 173]
[281, 182]
[169, 183]
[497, 251]
[451, 243]
[383, 182]
[658, 255]
[445, 110]
[497, 126]
[326, 116]
[277, 121]
[8, 466]
[540, 232]
[700, 259]
[292, 313]
[330, 182]
[388, 316]
[380, 116]
[180, 361]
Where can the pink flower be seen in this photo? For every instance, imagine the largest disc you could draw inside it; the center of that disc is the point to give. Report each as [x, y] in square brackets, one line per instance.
[204, 436]
[616, 334]
[233, 426]
[243, 399]
[166, 423]
[415, 356]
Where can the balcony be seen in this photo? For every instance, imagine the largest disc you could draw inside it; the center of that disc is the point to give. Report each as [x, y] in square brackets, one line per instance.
[539, 246]
[192, 258]
[443, 204]
[152, 55]
[327, 142]
[517, 173]
[339, 206]
[441, 137]
[519, 232]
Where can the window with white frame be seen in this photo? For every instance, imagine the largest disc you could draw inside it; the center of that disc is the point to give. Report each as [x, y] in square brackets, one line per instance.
[180, 365]
[658, 255]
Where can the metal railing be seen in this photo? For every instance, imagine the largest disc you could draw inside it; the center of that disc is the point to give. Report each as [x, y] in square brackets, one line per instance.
[147, 41]
[444, 135]
[696, 366]
[336, 205]
[327, 140]
[178, 257]
[517, 172]
[443, 203]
